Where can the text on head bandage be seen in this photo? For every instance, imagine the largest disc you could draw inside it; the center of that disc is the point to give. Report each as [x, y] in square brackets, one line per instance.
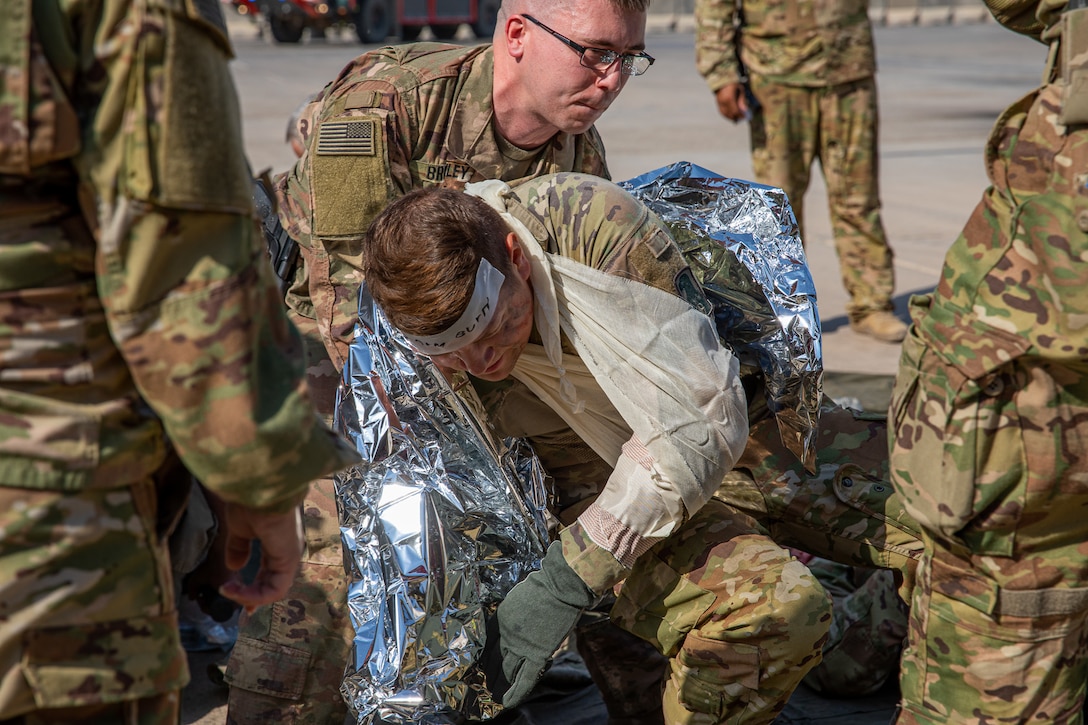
[478, 313]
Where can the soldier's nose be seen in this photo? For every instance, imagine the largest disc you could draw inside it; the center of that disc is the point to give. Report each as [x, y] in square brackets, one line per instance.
[478, 358]
[611, 79]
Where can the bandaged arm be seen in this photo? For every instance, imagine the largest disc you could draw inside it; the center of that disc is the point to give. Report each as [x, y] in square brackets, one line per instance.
[680, 393]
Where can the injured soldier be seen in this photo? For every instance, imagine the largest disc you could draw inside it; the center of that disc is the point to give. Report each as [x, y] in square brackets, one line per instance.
[579, 321]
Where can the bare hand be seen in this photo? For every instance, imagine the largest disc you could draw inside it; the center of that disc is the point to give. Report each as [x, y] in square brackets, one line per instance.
[281, 552]
[731, 102]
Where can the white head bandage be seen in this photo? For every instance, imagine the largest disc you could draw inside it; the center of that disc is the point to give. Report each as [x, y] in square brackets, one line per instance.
[477, 314]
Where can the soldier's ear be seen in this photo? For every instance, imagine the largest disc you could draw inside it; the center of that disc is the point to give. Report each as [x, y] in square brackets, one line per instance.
[518, 258]
[514, 36]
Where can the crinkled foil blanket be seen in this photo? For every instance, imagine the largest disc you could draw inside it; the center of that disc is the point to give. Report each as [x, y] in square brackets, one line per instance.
[741, 241]
[441, 520]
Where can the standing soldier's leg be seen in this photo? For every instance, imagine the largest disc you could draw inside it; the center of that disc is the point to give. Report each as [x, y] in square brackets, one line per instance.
[784, 140]
[88, 623]
[741, 620]
[289, 660]
[849, 158]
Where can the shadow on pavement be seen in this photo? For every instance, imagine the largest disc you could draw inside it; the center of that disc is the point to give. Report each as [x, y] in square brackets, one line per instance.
[863, 391]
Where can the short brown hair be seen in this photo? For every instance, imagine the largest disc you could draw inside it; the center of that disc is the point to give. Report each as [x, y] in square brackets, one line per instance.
[515, 7]
[421, 253]
[638, 6]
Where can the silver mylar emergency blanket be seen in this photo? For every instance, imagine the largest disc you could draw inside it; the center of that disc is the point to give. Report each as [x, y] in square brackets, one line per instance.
[440, 521]
[741, 241]
[438, 524]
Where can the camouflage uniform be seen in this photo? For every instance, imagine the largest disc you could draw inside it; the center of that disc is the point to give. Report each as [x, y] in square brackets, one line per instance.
[990, 445]
[137, 310]
[811, 67]
[395, 119]
[741, 620]
[868, 627]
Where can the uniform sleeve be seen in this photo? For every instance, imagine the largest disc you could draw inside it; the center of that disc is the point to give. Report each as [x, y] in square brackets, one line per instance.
[688, 414]
[641, 503]
[185, 282]
[715, 42]
[357, 161]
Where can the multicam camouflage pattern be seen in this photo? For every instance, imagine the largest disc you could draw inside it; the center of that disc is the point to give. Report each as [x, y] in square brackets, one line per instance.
[145, 318]
[288, 662]
[428, 109]
[159, 708]
[797, 125]
[797, 43]
[604, 227]
[69, 636]
[144, 311]
[1036, 18]
[849, 515]
[740, 618]
[868, 627]
[39, 124]
[990, 438]
[847, 511]
[811, 68]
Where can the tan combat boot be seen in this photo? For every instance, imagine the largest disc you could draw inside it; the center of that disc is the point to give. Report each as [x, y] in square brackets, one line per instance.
[882, 325]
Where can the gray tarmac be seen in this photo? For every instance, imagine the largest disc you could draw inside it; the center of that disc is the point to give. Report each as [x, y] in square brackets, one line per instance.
[941, 88]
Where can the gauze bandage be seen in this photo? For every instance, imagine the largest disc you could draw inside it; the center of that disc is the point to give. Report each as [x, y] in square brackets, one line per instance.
[478, 313]
[666, 382]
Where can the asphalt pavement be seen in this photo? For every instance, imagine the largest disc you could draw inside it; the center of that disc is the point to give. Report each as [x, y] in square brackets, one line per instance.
[941, 88]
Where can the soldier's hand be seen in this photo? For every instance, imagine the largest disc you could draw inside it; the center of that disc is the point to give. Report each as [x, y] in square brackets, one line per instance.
[281, 540]
[530, 624]
[731, 102]
[202, 583]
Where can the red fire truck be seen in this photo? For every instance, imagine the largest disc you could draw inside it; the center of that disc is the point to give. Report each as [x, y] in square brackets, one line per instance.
[376, 20]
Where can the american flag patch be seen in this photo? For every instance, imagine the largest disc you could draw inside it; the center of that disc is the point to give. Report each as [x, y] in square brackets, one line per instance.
[354, 138]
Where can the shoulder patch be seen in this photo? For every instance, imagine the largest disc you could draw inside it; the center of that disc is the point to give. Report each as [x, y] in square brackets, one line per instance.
[348, 148]
[354, 137]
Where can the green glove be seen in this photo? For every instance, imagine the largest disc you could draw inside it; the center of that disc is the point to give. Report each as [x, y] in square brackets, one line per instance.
[530, 624]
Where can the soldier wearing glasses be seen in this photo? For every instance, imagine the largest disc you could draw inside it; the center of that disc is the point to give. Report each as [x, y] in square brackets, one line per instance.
[397, 119]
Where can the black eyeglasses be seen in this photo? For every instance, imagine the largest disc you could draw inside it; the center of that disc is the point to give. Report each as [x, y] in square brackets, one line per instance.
[633, 64]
